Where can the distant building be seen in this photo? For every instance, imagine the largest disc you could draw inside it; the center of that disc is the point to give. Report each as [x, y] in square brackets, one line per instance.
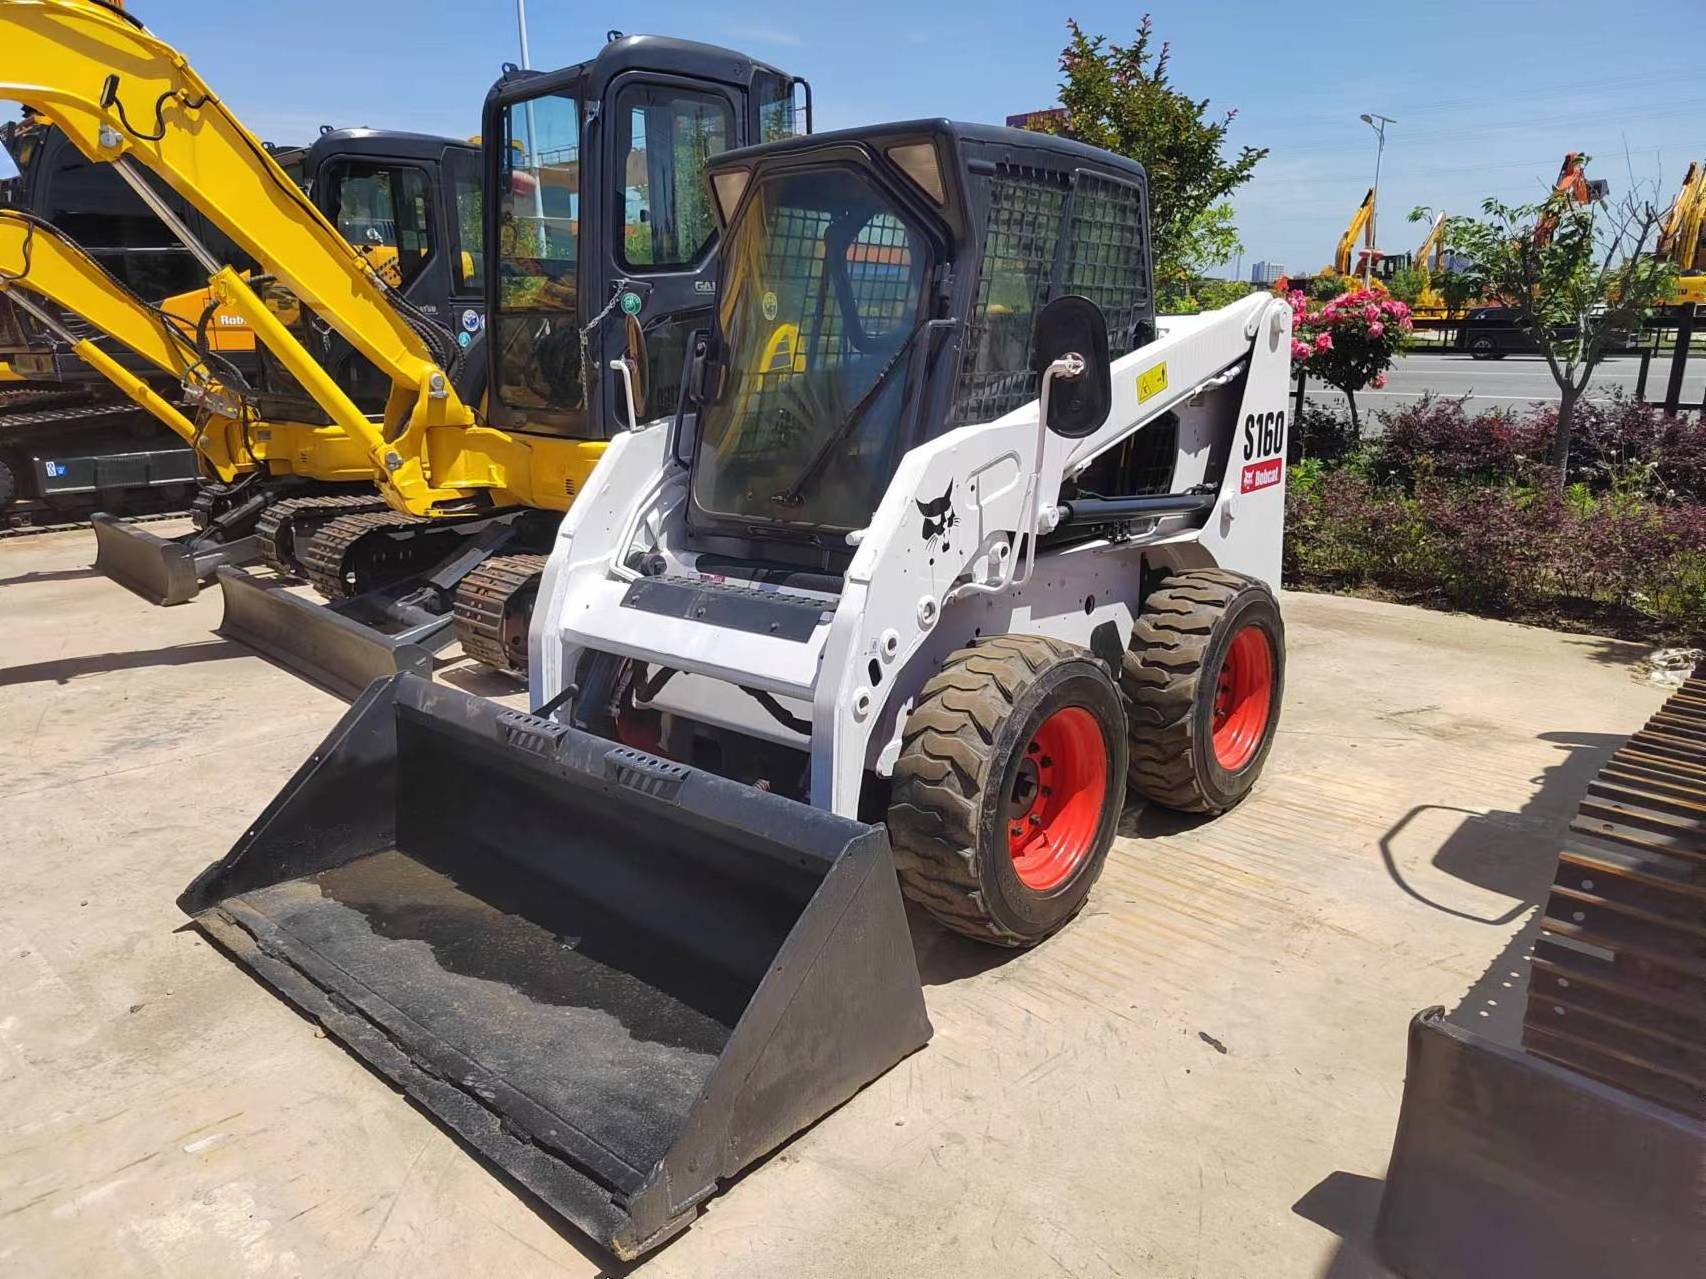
[1266, 272]
[1037, 119]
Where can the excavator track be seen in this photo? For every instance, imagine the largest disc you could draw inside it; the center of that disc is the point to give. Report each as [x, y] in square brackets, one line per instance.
[1617, 987]
[332, 556]
[494, 607]
[288, 526]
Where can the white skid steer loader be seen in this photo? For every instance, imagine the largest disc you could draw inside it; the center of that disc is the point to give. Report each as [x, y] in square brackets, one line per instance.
[951, 542]
[965, 575]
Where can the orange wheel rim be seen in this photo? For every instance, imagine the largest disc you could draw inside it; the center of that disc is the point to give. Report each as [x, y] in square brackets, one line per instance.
[1242, 699]
[1055, 806]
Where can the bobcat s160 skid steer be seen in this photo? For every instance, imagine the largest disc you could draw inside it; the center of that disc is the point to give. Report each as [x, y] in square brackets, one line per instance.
[951, 542]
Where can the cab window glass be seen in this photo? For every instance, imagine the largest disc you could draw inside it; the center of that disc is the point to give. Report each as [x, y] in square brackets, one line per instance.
[382, 209]
[463, 171]
[670, 134]
[536, 329]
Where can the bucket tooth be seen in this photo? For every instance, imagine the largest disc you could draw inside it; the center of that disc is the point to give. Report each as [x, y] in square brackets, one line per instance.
[341, 647]
[163, 570]
[619, 979]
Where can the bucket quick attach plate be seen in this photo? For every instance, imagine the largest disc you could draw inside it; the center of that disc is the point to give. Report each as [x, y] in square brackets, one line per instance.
[163, 570]
[618, 978]
[332, 645]
[1506, 1164]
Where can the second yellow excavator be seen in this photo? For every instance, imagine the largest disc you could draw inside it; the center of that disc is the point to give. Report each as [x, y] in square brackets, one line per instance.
[1682, 242]
[250, 462]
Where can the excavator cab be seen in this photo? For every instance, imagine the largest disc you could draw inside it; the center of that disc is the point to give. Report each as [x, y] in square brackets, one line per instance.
[599, 249]
[601, 226]
[410, 203]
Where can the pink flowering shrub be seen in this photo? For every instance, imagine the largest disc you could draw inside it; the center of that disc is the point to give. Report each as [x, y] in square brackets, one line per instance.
[1349, 341]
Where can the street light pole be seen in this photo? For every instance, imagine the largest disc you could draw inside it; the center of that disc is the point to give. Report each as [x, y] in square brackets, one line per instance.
[521, 24]
[1378, 123]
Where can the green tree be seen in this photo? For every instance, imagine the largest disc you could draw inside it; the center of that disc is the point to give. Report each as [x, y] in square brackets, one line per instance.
[1575, 274]
[1120, 98]
[1406, 284]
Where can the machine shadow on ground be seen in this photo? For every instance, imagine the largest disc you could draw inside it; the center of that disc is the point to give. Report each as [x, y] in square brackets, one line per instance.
[38, 576]
[65, 669]
[1513, 854]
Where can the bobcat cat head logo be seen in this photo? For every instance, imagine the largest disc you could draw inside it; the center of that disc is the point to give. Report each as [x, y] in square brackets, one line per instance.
[938, 514]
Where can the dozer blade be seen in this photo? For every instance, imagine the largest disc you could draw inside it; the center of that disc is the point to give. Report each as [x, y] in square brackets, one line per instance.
[617, 978]
[163, 570]
[1507, 1164]
[336, 646]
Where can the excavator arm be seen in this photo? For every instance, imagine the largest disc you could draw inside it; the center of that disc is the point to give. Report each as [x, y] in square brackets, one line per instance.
[1348, 241]
[1680, 239]
[39, 262]
[125, 97]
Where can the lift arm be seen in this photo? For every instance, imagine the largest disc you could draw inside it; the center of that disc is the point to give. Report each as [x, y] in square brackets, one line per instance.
[125, 97]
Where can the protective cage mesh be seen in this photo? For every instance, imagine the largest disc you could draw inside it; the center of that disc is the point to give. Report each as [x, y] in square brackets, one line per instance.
[781, 399]
[1027, 261]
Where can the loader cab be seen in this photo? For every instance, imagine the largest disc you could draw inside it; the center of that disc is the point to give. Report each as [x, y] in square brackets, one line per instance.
[601, 233]
[879, 287]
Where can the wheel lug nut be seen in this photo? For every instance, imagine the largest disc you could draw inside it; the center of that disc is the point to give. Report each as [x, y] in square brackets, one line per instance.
[1045, 762]
[1036, 819]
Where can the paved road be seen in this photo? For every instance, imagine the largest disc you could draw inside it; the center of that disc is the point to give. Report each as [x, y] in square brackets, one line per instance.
[1513, 382]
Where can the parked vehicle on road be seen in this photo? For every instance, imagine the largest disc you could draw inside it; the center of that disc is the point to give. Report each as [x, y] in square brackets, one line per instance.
[1493, 332]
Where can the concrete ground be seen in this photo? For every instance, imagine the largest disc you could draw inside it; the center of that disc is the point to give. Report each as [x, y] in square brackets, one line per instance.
[1510, 383]
[1200, 1076]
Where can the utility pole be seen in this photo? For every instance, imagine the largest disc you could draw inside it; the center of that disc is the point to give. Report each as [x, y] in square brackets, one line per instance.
[1378, 123]
[532, 144]
[521, 24]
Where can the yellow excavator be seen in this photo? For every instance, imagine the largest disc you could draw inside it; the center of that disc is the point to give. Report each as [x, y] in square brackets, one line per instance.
[1347, 262]
[574, 285]
[1682, 242]
[78, 301]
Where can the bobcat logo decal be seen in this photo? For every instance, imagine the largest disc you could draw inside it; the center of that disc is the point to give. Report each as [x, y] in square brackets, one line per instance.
[938, 514]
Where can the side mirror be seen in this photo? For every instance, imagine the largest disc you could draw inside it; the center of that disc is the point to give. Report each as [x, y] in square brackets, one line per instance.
[1074, 325]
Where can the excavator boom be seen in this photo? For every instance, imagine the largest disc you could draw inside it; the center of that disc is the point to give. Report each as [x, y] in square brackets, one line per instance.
[125, 97]
[1348, 241]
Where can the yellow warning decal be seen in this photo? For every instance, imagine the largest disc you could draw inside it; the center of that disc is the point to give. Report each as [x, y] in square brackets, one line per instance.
[1151, 382]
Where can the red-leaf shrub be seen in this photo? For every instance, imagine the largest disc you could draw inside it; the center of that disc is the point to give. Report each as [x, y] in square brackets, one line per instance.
[1637, 568]
[1619, 444]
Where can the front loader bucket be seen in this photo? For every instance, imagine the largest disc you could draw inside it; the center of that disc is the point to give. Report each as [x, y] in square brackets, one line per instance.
[618, 979]
[1507, 1164]
[334, 645]
[163, 570]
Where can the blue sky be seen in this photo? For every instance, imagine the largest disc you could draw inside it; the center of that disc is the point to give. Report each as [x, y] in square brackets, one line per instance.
[1488, 96]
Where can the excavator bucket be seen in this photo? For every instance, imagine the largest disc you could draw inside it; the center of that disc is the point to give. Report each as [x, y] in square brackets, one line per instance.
[617, 978]
[341, 647]
[160, 569]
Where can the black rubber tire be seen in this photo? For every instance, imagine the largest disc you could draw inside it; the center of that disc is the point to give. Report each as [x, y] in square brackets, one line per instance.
[962, 747]
[1483, 349]
[8, 485]
[1170, 677]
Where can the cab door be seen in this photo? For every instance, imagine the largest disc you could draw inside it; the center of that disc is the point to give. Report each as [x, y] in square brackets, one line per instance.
[656, 237]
